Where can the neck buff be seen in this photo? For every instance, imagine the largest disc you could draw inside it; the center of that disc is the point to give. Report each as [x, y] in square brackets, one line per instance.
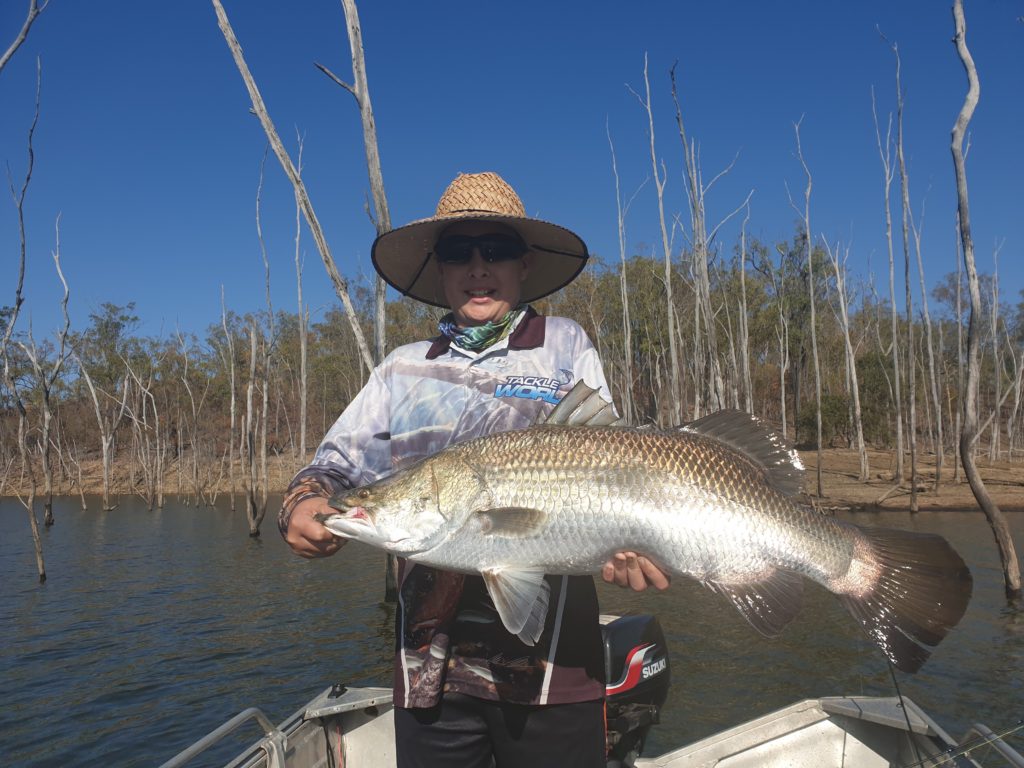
[479, 337]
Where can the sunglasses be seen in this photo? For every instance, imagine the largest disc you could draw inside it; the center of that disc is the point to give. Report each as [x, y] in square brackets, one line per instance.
[458, 249]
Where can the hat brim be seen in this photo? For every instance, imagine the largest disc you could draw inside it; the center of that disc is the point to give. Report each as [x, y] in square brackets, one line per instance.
[403, 256]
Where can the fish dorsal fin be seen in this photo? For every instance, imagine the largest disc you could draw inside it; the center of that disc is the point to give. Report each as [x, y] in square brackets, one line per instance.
[582, 406]
[521, 599]
[761, 444]
[770, 604]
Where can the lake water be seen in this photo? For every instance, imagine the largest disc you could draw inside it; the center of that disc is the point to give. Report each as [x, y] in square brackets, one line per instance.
[155, 627]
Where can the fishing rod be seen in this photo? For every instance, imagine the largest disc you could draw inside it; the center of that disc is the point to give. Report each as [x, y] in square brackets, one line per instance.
[984, 738]
[963, 750]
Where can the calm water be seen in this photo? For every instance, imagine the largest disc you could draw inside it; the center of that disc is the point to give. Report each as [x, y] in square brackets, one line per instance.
[154, 627]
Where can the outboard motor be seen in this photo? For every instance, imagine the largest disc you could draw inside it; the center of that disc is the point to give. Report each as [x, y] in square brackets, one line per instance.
[637, 676]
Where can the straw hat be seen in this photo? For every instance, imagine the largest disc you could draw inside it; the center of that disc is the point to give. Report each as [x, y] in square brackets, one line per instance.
[403, 255]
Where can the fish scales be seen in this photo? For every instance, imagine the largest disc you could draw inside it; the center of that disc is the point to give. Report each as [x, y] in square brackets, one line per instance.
[712, 514]
[716, 500]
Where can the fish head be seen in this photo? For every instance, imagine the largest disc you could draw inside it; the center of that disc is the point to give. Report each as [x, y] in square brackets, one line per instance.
[401, 513]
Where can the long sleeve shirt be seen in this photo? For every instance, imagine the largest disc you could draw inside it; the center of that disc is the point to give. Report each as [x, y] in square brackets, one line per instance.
[422, 398]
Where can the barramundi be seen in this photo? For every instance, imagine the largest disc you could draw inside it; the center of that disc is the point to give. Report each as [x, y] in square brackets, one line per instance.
[717, 500]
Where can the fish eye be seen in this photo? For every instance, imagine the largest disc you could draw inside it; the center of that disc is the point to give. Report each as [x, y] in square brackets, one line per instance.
[363, 493]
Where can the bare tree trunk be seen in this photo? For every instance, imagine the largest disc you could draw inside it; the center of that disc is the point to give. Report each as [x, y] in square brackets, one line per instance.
[5, 342]
[748, 385]
[1000, 528]
[381, 216]
[707, 337]
[230, 364]
[266, 345]
[933, 377]
[908, 298]
[781, 332]
[107, 427]
[1018, 393]
[147, 447]
[960, 355]
[255, 510]
[340, 285]
[997, 367]
[628, 407]
[34, 9]
[887, 174]
[675, 393]
[46, 381]
[810, 283]
[851, 358]
[303, 331]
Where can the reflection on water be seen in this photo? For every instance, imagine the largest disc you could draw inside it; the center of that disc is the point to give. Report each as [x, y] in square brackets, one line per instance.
[154, 627]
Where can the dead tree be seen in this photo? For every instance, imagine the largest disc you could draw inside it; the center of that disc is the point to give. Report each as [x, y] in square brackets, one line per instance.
[1017, 357]
[34, 9]
[933, 377]
[996, 519]
[340, 284]
[381, 216]
[765, 266]
[108, 420]
[997, 366]
[149, 446]
[748, 385]
[190, 426]
[303, 328]
[887, 175]
[707, 336]
[960, 355]
[811, 289]
[675, 390]
[628, 407]
[851, 357]
[46, 380]
[228, 357]
[28, 501]
[908, 297]
[254, 480]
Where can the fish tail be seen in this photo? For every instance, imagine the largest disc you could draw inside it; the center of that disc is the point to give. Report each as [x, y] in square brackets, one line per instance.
[907, 590]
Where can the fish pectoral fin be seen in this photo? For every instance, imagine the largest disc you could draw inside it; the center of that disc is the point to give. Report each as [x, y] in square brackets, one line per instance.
[510, 521]
[769, 604]
[521, 599]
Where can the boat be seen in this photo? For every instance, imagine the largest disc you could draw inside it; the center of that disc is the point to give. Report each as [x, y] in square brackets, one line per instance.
[354, 727]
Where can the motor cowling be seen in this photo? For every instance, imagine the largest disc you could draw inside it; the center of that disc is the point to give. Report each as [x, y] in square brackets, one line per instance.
[637, 675]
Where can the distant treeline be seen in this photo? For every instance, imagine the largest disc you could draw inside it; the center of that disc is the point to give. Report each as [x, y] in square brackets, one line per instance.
[206, 406]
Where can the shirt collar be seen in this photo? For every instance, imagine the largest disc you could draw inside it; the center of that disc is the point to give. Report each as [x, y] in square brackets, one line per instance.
[528, 334]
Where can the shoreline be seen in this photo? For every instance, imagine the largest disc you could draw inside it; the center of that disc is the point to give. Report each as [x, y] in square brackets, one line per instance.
[840, 467]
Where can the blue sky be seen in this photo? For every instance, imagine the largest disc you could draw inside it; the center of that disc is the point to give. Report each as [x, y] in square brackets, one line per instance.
[146, 148]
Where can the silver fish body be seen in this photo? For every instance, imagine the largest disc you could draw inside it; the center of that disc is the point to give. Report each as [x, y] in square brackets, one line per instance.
[714, 501]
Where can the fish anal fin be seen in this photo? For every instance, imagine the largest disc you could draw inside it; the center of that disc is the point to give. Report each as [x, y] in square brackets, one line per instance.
[769, 604]
[512, 522]
[521, 599]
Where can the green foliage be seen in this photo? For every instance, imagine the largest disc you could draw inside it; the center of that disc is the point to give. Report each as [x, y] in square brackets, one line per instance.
[835, 423]
[874, 371]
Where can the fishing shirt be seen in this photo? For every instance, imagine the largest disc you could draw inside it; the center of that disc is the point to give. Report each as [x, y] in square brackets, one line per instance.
[421, 399]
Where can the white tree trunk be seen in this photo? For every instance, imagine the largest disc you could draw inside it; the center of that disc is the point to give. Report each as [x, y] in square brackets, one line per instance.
[996, 519]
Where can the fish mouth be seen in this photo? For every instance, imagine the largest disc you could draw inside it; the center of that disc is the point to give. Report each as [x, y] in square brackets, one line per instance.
[352, 523]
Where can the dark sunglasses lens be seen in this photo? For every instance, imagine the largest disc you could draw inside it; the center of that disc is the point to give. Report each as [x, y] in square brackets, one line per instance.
[454, 250]
[500, 249]
[458, 249]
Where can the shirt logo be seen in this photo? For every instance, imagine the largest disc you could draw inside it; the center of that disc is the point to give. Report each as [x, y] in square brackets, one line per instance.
[542, 388]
